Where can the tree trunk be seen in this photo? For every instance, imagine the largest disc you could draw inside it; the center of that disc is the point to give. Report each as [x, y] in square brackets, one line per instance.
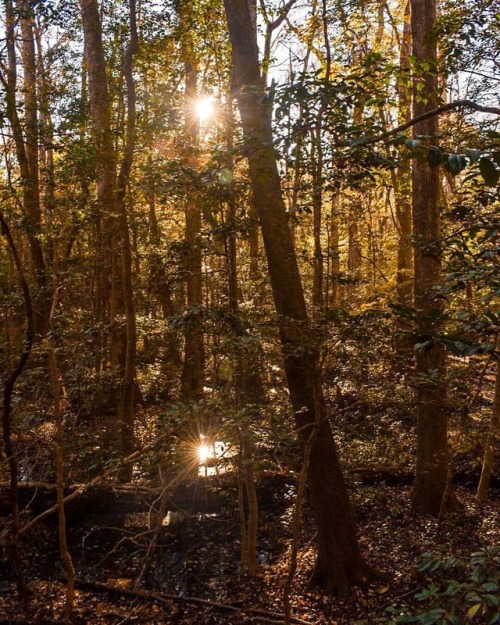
[339, 562]
[491, 442]
[113, 227]
[353, 256]
[159, 280]
[127, 398]
[193, 368]
[402, 186]
[27, 144]
[247, 382]
[100, 117]
[431, 491]
[334, 253]
[317, 203]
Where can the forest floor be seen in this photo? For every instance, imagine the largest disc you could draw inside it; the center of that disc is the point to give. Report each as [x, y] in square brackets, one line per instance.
[198, 558]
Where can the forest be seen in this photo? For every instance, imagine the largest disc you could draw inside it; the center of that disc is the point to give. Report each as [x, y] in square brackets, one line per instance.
[249, 312]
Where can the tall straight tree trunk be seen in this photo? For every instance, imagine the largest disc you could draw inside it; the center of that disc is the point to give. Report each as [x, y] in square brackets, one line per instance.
[194, 355]
[339, 562]
[334, 252]
[492, 440]
[317, 203]
[402, 182]
[353, 256]
[100, 116]
[248, 388]
[159, 279]
[318, 294]
[127, 397]
[111, 199]
[432, 493]
[47, 179]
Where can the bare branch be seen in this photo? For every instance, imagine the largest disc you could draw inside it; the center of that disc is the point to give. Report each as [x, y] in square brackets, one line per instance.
[271, 27]
[493, 110]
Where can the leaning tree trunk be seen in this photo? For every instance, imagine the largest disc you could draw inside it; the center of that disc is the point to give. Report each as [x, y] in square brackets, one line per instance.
[26, 142]
[431, 493]
[339, 562]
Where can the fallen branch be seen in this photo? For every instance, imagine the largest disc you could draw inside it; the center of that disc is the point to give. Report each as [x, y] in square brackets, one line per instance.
[94, 482]
[113, 486]
[264, 615]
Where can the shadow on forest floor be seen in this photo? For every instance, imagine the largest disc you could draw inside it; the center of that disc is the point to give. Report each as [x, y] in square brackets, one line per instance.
[198, 555]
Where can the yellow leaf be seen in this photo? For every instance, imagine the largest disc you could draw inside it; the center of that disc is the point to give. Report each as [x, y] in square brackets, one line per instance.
[473, 610]
[383, 589]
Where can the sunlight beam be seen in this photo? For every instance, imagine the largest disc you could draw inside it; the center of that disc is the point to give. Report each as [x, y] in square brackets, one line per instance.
[204, 108]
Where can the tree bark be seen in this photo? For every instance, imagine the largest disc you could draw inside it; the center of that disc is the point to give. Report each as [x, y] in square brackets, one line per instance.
[193, 367]
[127, 398]
[100, 117]
[112, 211]
[491, 441]
[334, 255]
[402, 182]
[27, 144]
[431, 491]
[339, 562]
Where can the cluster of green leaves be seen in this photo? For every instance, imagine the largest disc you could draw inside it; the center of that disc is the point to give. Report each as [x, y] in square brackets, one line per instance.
[484, 163]
[452, 601]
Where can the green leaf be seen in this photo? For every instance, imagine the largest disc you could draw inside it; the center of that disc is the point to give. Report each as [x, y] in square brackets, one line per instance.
[358, 141]
[455, 163]
[473, 610]
[431, 617]
[434, 157]
[473, 349]
[489, 172]
[412, 143]
[225, 176]
[493, 618]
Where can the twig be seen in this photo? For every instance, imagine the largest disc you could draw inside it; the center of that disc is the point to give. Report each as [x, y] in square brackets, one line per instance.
[94, 482]
[166, 489]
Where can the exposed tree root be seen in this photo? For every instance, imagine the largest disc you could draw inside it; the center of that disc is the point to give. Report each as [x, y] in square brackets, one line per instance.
[339, 581]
